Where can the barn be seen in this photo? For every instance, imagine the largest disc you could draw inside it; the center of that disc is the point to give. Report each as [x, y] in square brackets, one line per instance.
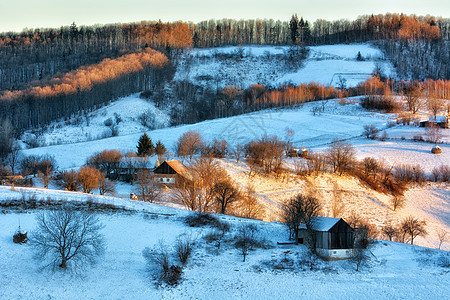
[333, 237]
[171, 172]
[441, 121]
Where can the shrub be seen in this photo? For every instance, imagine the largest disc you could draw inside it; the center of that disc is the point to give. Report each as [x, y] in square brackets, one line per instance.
[202, 219]
[375, 102]
[371, 132]
[183, 248]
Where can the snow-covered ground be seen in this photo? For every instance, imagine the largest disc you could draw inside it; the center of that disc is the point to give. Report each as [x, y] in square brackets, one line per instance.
[122, 114]
[312, 131]
[395, 271]
[269, 66]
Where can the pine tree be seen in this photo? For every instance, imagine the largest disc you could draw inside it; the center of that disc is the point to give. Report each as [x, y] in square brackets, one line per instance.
[160, 150]
[145, 146]
[293, 27]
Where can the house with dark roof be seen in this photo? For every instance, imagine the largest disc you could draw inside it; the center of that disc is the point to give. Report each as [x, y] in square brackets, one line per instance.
[171, 172]
[333, 237]
[441, 121]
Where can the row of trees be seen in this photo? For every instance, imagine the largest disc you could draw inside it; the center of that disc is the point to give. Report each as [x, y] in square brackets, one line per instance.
[42, 53]
[37, 54]
[83, 89]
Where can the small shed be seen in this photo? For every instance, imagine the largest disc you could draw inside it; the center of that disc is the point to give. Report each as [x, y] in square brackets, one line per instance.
[441, 121]
[333, 237]
[171, 172]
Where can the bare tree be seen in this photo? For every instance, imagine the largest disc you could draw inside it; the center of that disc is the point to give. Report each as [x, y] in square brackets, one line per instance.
[67, 235]
[413, 227]
[89, 177]
[397, 202]
[389, 231]
[6, 139]
[435, 105]
[433, 133]
[106, 186]
[225, 193]
[371, 166]
[442, 235]
[146, 188]
[237, 152]
[341, 155]
[360, 257]
[14, 157]
[189, 144]
[245, 239]
[412, 96]
[301, 209]
[371, 131]
[67, 180]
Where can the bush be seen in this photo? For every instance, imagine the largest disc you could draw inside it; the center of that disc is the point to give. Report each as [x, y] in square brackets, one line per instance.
[265, 154]
[183, 248]
[202, 219]
[375, 102]
[159, 258]
[371, 132]
[441, 174]
[409, 173]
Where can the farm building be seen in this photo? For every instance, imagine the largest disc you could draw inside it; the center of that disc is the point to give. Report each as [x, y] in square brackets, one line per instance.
[333, 237]
[441, 121]
[130, 166]
[171, 172]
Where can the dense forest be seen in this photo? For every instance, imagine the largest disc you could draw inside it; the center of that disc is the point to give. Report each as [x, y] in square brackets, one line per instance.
[52, 73]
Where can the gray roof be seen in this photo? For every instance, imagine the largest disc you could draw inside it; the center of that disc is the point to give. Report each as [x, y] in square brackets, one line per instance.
[322, 223]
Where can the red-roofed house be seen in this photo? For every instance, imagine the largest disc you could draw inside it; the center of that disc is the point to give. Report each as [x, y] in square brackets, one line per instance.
[171, 172]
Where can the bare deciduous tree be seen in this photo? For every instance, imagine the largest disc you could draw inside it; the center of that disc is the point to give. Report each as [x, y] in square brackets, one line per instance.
[89, 177]
[245, 239]
[225, 193]
[341, 155]
[442, 236]
[412, 96]
[106, 186]
[67, 180]
[389, 231]
[189, 144]
[413, 227]
[397, 202]
[301, 209]
[68, 235]
[146, 188]
[435, 105]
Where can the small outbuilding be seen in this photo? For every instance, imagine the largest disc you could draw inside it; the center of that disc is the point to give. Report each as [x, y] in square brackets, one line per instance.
[171, 172]
[441, 121]
[333, 237]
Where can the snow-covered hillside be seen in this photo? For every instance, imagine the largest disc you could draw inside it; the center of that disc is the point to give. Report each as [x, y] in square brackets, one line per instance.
[243, 66]
[312, 131]
[395, 271]
[122, 116]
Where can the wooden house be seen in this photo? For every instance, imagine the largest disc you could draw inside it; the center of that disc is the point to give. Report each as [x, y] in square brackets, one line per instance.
[130, 166]
[171, 172]
[441, 121]
[333, 237]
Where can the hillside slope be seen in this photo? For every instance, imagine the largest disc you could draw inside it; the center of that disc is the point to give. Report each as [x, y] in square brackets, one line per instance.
[395, 270]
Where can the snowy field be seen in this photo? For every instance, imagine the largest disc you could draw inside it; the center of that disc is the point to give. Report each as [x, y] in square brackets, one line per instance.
[312, 131]
[394, 271]
[243, 66]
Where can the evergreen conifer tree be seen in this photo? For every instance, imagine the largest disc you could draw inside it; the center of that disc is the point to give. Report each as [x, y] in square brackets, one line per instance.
[145, 146]
[160, 150]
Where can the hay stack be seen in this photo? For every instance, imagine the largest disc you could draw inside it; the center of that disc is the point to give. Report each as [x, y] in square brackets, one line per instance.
[436, 150]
